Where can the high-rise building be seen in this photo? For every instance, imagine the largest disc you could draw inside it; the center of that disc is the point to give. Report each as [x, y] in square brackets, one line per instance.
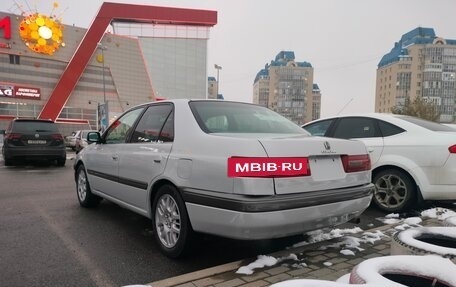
[419, 65]
[316, 102]
[286, 86]
[212, 87]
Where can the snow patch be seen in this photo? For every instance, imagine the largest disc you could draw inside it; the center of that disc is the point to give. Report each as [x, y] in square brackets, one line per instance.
[438, 213]
[261, 262]
[347, 252]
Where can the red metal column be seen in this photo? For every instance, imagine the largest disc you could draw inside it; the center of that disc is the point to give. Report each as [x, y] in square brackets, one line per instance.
[88, 45]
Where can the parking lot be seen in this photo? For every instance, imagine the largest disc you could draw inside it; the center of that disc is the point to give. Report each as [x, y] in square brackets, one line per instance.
[48, 240]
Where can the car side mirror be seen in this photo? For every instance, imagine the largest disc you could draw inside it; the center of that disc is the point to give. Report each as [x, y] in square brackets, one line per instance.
[93, 137]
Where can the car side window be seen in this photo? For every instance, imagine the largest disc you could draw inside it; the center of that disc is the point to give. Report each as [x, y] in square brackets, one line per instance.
[388, 129]
[119, 130]
[318, 128]
[157, 123]
[356, 127]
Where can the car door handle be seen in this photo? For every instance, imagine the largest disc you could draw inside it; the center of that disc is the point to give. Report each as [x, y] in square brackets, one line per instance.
[115, 157]
[157, 161]
[370, 150]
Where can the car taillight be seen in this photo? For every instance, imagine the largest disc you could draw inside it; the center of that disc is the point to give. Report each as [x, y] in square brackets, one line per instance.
[452, 149]
[13, 136]
[57, 137]
[354, 163]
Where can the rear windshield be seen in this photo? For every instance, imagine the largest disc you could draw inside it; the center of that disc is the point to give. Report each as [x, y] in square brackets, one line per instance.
[427, 124]
[231, 117]
[34, 126]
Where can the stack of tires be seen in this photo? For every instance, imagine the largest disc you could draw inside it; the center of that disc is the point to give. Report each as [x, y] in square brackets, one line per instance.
[420, 257]
[439, 241]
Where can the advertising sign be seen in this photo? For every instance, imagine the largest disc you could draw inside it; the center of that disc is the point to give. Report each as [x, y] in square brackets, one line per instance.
[12, 91]
[103, 116]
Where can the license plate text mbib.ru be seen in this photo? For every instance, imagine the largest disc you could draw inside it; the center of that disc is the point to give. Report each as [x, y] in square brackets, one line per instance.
[268, 167]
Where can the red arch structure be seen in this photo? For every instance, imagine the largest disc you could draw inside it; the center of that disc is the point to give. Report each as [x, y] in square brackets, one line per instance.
[120, 12]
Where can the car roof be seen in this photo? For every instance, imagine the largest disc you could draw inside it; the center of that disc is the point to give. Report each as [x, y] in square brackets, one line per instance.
[31, 120]
[395, 119]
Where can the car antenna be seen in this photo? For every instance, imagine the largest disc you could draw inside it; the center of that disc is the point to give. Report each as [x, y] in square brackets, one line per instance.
[344, 106]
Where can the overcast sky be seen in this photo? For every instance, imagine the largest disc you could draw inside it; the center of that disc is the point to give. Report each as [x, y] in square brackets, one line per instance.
[343, 40]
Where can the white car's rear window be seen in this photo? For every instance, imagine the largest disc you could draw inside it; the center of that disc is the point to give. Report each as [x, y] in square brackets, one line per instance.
[230, 117]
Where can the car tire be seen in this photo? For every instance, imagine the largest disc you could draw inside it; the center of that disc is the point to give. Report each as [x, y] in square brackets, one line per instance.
[395, 191]
[61, 161]
[404, 269]
[8, 162]
[450, 221]
[171, 225]
[439, 241]
[85, 196]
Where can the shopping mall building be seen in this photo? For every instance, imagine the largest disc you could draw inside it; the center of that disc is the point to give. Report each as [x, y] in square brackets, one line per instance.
[131, 54]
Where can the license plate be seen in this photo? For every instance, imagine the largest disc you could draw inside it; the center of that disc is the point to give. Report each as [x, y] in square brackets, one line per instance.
[36, 142]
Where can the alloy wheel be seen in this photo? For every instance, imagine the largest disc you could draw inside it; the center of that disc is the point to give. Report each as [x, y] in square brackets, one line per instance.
[391, 191]
[82, 186]
[168, 221]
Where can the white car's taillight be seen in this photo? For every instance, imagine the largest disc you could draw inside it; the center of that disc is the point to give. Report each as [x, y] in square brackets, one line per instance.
[355, 163]
[452, 149]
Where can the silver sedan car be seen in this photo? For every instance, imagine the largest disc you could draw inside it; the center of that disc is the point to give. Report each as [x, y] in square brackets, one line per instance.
[231, 169]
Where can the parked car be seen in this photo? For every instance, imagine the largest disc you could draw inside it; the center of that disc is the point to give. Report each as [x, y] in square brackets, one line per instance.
[70, 141]
[33, 139]
[231, 169]
[81, 139]
[412, 159]
[453, 126]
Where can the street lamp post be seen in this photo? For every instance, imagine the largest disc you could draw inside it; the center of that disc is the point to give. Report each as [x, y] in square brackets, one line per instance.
[218, 68]
[104, 117]
[102, 49]
[96, 112]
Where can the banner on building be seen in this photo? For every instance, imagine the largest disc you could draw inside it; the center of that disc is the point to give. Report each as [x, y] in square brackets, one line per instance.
[13, 91]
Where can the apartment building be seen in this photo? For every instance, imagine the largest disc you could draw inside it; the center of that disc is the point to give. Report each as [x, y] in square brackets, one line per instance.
[420, 64]
[286, 86]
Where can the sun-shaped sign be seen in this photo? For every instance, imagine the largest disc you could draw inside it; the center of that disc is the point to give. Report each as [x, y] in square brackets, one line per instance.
[42, 34]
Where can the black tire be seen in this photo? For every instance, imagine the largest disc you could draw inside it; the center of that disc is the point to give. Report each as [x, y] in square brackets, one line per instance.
[394, 191]
[8, 162]
[85, 196]
[171, 225]
[61, 161]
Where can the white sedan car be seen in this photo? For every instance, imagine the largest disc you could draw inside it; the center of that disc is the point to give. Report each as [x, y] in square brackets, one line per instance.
[225, 168]
[412, 159]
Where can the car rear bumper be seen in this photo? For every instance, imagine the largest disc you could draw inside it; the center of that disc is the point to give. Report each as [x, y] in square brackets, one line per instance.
[35, 153]
[275, 216]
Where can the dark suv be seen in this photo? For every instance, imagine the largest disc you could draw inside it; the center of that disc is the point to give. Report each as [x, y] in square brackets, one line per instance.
[32, 139]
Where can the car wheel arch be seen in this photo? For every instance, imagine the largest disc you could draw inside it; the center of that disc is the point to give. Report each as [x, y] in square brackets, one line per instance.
[76, 167]
[154, 189]
[419, 195]
[396, 167]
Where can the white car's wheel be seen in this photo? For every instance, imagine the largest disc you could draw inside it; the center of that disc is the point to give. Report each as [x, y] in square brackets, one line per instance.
[394, 190]
[425, 240]
[403, 270]
[450, 221]
[85, 196]
[172, 229]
